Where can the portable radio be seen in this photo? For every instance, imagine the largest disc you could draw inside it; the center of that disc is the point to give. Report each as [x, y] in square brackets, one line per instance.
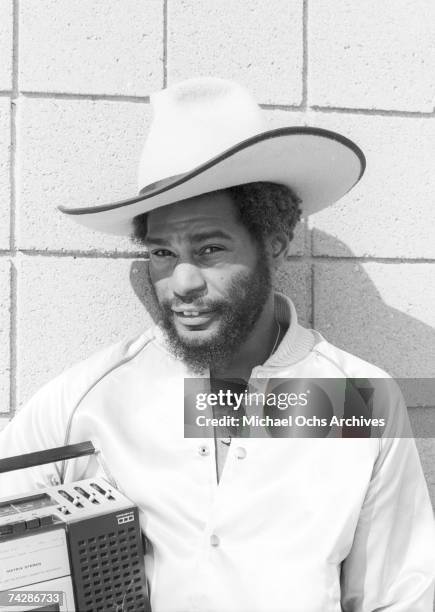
[75, 547]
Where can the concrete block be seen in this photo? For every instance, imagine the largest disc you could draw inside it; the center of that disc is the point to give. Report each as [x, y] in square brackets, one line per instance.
[419, 394]
[92, 46]
[382, 313]
[372, 54]
[390, 213]
[69, 308]
[298, 244]
[6, 27]
[4, 334]
[4, 172]
[277, 118]
[426, 449]
[254, 43]
[79, 152]
[294, 280]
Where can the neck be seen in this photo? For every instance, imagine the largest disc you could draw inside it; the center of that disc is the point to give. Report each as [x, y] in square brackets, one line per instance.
[256, 348]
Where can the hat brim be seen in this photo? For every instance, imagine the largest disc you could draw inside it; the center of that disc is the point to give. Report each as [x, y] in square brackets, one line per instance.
[320, 167]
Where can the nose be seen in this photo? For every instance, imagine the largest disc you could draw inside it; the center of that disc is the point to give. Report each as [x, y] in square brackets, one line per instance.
[187, 281]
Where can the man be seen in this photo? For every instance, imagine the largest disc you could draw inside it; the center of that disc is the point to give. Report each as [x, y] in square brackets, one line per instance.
[235, 523]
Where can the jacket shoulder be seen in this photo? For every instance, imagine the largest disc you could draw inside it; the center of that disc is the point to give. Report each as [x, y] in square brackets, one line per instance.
[78, 378]
[349, 364]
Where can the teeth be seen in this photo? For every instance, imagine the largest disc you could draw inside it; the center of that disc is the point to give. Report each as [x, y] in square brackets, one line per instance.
[192, 313]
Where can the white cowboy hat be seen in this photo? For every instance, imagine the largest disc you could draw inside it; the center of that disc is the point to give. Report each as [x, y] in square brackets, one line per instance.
[208, 134]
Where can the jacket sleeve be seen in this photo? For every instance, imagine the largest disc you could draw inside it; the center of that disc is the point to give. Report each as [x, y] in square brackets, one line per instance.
[391, 565]
[39, 425]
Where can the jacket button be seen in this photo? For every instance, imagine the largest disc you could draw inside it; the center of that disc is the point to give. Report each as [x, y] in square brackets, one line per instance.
[241, 452]
[214, 540]
[203, 451]
[54, 480]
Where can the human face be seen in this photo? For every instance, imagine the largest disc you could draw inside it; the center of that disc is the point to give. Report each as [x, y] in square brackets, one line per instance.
[211, 279]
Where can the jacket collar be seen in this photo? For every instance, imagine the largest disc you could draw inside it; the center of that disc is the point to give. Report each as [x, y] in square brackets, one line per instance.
[297, 342]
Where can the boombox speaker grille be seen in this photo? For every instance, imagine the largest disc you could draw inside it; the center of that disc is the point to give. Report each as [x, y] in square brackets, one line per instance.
[108, 565]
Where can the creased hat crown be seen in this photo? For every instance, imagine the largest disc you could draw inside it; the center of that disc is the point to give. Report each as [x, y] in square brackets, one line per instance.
[196, 120]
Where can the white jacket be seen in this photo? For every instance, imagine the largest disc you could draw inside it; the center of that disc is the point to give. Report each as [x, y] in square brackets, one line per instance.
[295, 525]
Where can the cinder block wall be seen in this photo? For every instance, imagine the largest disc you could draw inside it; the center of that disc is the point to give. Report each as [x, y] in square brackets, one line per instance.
[74, 84]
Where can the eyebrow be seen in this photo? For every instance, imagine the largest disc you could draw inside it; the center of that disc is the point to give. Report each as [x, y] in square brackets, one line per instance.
[198, 237]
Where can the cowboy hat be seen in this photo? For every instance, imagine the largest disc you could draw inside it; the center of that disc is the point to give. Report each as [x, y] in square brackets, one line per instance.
[208, 134]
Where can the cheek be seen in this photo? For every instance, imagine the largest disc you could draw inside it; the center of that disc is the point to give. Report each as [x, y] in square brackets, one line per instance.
[220, 281]
[158, 277]
[161, 289]
[158, 284]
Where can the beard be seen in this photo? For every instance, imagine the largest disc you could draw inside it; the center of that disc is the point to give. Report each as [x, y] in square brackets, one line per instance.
[238, 313]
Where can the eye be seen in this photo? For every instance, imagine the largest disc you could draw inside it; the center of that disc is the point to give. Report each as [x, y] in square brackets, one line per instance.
[209, 250]
[162, 253]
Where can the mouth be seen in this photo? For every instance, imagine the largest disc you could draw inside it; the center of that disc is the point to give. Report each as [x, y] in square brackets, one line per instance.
[194, 318]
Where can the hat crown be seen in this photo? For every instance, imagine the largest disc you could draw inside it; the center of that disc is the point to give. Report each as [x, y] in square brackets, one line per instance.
[195, 120]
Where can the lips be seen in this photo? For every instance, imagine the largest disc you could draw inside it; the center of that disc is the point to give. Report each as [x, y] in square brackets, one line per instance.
[191, 313]
[192, 317]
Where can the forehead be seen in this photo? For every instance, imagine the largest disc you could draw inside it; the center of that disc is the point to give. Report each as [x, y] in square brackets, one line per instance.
[215, 209]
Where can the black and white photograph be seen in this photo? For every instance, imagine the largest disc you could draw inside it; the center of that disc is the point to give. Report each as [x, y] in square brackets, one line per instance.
[217, 321]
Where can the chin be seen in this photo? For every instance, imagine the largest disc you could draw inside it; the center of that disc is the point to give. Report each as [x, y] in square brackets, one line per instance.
[198, 336]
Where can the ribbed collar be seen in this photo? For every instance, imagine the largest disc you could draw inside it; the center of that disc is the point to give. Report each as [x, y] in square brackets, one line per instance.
[297, 342]
[295, 345]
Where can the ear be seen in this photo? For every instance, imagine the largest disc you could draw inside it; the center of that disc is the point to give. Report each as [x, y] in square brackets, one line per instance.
[279, 245]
